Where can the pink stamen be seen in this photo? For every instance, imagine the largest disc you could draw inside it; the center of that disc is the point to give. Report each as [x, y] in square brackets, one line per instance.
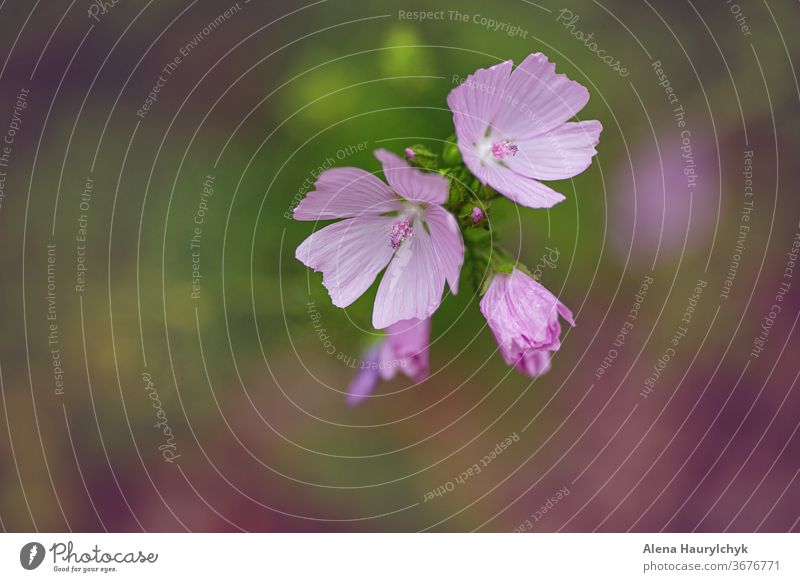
[477, 215]
[400, 231]
[502, 149]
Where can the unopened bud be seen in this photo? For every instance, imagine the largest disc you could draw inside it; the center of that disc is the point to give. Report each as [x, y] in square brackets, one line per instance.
[477, 215]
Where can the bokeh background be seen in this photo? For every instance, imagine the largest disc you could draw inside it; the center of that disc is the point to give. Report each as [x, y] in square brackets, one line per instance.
[131, 404]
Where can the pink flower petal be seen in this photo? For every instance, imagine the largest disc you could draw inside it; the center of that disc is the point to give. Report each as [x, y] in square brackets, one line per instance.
[470, 157]
[538, 100]
[346, 192]
[412, 286]
[350, 254]
[522, 190]
[447, 243]
[475, 102]
[532, 304]
[565, 312]
[405, 349]
[366, 380]
[412, 184]
[561, 153]
[534, 363]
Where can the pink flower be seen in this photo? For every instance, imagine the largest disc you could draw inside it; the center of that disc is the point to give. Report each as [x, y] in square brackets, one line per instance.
[512, 129]
[523, 316]
[405, 348]
[476, 215]
[402, 225]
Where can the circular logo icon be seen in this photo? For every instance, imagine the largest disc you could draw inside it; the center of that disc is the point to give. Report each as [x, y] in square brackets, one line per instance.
[31, 555]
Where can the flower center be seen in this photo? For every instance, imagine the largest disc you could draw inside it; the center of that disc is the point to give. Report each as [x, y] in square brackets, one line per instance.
[502, 149]
[400, 231]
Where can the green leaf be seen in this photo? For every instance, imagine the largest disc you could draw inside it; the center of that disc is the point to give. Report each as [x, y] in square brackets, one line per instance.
[424, 158]
[451, 154]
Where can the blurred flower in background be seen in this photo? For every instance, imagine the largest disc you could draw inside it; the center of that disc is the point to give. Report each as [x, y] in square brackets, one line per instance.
[405, 349]
[664, 203]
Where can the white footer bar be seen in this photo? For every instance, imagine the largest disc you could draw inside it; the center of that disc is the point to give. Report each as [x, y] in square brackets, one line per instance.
[382, 557]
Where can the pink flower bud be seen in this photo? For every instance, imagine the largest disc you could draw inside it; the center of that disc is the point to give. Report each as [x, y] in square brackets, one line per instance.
[523, 316]
[477, 215]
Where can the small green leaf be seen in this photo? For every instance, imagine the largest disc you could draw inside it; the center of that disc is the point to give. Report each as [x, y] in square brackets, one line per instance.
[451, 155]
[424, 158]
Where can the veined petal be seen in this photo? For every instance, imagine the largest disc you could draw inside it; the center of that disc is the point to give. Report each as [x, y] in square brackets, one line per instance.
[532, 306]
[412, 184]
[350, 254]
[565, 312]
[474, 162]
[561, 153]
[475, 102]
[538, 100]
[447, 243]
[534, 363]
[346, 192]
[521, 189]
[412, 286]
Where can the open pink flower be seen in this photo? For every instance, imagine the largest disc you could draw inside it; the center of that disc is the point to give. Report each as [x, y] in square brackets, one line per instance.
[402, 225]
[512, 129]
[523, 316]
[404, 349]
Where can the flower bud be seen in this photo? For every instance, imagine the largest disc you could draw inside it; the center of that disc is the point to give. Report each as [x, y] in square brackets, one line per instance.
[523, 316]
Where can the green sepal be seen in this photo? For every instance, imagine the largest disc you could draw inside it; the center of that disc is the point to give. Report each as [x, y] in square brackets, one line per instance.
[504, 267]
[485, 286]
[457, 194]
[485, 192]
[475, 269]
[424, 158]
[524, 269]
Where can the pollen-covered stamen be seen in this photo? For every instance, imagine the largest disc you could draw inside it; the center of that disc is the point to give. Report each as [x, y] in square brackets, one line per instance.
[503, 149]
[400, 231]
